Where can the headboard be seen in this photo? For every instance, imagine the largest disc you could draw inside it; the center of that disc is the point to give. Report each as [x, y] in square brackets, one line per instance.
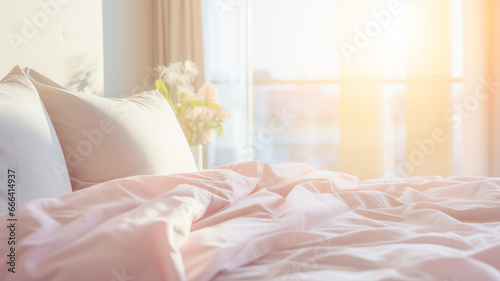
[60, 38]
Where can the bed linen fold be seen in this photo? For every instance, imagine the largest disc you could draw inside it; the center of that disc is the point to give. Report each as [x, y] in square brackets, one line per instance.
[254, 221]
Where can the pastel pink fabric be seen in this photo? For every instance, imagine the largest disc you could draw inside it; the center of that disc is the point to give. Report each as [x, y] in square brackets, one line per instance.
[253, 221]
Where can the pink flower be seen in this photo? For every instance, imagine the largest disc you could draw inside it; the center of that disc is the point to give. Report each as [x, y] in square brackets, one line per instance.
[223, 114]
[197, 113]
[208, 93]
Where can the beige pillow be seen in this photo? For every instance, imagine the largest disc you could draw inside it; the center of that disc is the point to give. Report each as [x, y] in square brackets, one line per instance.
[104, 139]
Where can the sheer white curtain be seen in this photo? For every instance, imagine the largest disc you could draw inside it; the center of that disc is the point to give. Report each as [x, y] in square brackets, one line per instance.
[412, 99]
[226, 57]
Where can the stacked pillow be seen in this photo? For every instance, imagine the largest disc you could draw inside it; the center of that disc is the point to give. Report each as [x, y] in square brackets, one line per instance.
[104, 139]
[31, 160]
[68, 141]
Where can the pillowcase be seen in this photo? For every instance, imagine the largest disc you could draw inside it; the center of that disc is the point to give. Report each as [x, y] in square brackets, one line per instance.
[104, 139]
[31, 160]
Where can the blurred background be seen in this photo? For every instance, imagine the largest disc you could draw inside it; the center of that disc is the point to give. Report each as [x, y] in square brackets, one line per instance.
[373, 88]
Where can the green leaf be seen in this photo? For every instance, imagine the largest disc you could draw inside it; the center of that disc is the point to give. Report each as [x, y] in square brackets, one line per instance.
[199, 103]
[162, 88]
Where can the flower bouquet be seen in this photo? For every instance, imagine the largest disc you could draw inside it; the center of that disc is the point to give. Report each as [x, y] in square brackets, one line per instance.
[197, 112]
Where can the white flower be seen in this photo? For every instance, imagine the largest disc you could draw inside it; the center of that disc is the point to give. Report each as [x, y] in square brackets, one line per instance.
[190, 68]
[161, 70]
[187, 89]
[178, 73]
[195, 111]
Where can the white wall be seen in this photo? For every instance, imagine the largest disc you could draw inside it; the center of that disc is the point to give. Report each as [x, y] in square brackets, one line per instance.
[128, 46]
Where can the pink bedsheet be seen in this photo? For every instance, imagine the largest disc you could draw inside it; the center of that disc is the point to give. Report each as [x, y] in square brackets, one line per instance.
[252, 221]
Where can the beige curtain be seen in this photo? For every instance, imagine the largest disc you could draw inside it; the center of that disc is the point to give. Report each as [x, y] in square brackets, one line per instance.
[495, 104]
[481, 85]
[178, 33]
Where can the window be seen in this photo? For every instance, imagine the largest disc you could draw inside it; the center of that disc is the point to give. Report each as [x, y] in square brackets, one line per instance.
[364, 87]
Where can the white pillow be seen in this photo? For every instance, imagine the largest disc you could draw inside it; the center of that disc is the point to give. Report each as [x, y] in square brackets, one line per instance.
[104, 139]
[30, 154]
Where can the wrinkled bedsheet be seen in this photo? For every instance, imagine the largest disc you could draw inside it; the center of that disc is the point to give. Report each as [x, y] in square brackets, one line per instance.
[254, 221]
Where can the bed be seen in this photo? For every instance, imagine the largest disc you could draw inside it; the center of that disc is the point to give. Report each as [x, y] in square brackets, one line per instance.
[106, 189]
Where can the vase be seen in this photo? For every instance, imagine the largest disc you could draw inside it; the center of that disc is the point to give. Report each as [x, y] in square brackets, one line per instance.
[197, 151]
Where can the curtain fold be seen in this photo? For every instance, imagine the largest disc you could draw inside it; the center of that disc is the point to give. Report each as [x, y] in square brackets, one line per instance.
[495, 103]
[476, 98]
[178, 33]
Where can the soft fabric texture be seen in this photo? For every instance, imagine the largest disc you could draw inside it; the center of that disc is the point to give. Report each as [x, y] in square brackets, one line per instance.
[104, 139]
[253, 221]
[29, 147]
[178, 34]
